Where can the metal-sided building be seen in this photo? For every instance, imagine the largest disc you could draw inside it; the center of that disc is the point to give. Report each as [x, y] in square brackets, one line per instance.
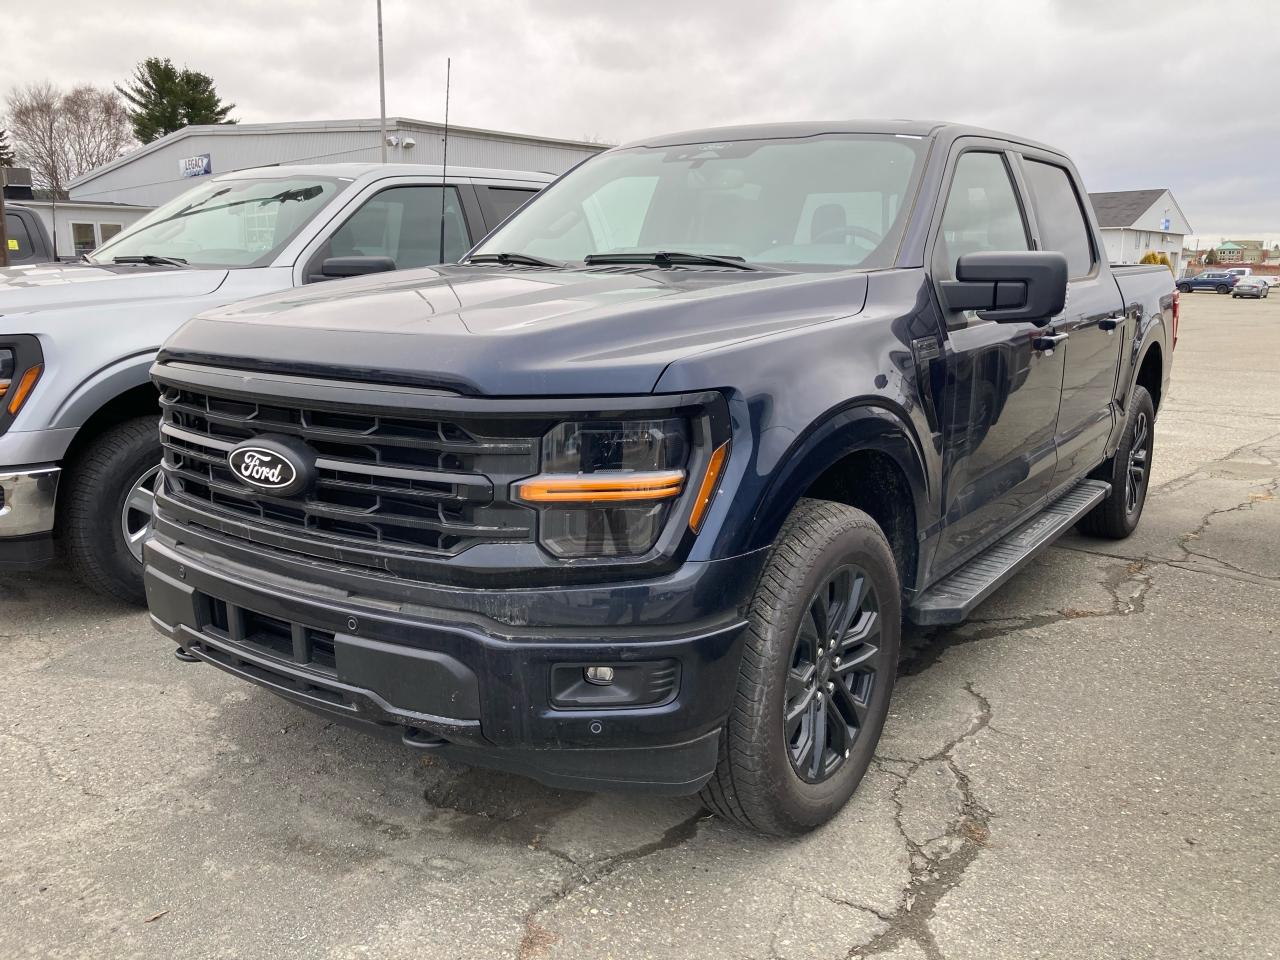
[159, 171]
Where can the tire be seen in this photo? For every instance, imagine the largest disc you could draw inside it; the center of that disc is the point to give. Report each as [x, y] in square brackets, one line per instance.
[1222, 288]
[112, 468]
[1184, 287]
[823, 550]
[1117, 516]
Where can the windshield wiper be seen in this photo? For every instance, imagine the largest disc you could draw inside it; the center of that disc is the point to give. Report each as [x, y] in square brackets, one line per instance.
[525, 259]
[152, 260]
[667, 258]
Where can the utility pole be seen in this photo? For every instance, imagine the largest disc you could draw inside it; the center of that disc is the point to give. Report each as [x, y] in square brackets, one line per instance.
[382, 89]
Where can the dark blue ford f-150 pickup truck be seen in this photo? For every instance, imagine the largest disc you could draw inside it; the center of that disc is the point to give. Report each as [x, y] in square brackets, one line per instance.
[639, 494]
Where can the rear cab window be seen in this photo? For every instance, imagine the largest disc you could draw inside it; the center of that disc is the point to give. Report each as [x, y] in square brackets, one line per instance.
[1059, 216]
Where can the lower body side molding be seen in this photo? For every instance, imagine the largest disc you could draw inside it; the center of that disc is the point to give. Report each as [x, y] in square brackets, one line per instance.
[953, 598]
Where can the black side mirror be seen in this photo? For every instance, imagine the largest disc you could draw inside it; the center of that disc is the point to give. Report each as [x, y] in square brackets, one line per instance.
[1009, 287]
[333, 267]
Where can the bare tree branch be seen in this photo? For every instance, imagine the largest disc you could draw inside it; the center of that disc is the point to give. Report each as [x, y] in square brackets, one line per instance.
[61, 135]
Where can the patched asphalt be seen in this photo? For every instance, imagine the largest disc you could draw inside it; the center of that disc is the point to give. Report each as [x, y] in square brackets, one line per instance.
[1088, 768]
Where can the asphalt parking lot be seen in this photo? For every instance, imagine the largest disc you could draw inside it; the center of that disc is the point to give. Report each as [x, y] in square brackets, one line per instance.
[1088, 768]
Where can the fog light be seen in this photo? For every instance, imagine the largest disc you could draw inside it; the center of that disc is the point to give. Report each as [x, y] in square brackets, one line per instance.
[599, 675]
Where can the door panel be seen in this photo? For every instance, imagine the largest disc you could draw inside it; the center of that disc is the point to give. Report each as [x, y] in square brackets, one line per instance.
[1000, 397]
[1090, 319]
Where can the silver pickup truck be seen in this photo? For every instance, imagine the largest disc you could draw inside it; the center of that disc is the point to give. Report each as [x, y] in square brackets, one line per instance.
[79, 446]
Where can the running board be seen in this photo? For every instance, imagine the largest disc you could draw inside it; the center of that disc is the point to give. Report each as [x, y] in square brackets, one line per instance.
[952, 599]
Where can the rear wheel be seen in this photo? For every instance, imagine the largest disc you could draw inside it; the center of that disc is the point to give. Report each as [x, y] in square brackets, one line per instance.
[108, 505]
[1128, 472]
[1184, 287]
[816, 676]
[1223, 288]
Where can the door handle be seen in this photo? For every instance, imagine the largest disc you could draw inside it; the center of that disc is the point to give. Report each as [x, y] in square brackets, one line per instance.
[1110, 323]
[1047, 342]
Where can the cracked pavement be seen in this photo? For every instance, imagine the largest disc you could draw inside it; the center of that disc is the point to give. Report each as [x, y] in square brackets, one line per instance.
[1087, 768]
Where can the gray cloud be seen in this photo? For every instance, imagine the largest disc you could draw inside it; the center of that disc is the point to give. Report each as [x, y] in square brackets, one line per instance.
[1132, 90]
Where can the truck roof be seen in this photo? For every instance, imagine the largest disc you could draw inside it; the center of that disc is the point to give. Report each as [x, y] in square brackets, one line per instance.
[357, 170]
[813, 128]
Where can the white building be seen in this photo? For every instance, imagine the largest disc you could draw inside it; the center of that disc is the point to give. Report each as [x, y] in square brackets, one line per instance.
[164, 168]
[1135, 222]
[77, 227]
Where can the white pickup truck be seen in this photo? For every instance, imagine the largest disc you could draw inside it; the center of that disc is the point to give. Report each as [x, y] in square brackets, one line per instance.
[79, 446]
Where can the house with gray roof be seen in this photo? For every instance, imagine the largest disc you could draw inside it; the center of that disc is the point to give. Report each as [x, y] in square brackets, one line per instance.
[1135, 222]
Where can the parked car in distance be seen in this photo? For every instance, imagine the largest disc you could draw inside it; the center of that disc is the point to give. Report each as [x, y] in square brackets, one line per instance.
[1240, 271]
[1270, 279]
[78, 443]
[1218, 281]
[637, 495]
[1254, 287]
[28, 240]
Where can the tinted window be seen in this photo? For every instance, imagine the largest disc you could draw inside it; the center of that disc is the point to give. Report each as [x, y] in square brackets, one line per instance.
[1058, 214]
[504, 201]
[813, 202]
[982, 212]
[20, 247]
[404, 223]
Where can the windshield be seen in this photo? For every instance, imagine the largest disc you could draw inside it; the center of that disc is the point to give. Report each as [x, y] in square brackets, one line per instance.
[227, 223]
[818, 202]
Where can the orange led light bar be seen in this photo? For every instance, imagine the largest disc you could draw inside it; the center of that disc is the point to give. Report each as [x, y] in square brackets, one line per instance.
[23, 389]
[601, 487]
[707, 489]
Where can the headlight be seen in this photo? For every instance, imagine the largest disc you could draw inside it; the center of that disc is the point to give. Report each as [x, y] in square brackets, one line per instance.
[607, 489]
[20, 368]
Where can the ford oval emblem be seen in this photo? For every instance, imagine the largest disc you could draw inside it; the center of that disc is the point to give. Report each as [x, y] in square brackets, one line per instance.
[278, 467]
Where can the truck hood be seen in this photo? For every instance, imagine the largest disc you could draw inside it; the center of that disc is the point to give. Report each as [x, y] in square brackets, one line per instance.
[58, 285]
[496, 332]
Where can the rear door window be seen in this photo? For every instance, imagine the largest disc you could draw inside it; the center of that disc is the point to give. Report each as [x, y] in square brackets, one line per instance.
[1058, 214]
[500, 202]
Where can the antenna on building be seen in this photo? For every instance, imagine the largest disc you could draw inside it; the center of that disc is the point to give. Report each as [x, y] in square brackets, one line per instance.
[444, 167]
[382, 90]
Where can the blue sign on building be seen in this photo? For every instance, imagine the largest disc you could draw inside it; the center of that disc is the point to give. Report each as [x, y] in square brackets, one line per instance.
[196, 166]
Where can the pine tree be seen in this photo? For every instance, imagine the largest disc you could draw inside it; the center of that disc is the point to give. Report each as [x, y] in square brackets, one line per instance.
[6, 151]
[165, 99]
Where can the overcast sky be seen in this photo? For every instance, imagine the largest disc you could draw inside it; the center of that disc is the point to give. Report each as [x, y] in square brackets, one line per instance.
[1139, 93]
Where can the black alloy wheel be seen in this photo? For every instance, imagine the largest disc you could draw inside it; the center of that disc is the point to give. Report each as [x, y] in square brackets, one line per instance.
[831, 679]
[1139, 458]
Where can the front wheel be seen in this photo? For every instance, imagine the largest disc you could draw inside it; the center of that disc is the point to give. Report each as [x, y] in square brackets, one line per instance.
[817, 672]
[1128, 472]
[107, 508]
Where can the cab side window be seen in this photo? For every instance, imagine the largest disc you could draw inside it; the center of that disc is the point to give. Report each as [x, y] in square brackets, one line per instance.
[1061, 222]
[20, 247]
[982, 213]
[404, 223]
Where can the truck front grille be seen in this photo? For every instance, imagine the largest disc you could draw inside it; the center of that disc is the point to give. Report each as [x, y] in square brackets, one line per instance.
[405, 484]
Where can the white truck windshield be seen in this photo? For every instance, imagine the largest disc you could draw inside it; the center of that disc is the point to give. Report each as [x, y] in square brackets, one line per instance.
[229, 223]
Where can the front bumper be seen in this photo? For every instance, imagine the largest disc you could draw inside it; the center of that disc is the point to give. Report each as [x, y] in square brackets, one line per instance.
[473, 687]
[28, 497]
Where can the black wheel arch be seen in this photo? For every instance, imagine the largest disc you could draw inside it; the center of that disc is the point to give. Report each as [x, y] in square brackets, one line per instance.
[865, 454]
